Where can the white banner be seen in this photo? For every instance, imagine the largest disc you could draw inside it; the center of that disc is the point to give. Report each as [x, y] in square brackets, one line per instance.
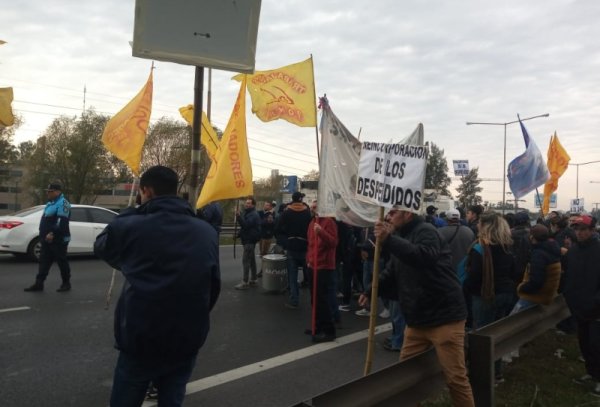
[392, 175]
[340, 152]
[461, 168]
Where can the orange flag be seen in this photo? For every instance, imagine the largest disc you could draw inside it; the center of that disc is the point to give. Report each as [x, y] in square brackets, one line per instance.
[230, 174]
[558, 160]
[286, 93]
[125, 134]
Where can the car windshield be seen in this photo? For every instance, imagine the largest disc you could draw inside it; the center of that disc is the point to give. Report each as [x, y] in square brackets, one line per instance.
[27, 211]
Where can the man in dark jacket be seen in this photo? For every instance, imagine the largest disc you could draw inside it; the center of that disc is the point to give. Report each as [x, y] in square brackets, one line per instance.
[249, 222]
[421, 276]
[170, 262]
[582, 292]
[294, 224]
[54, 239]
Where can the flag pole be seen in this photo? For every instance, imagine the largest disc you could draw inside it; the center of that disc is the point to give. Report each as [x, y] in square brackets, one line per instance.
[196, 134]
[315, 93]
[114, 271]
[313, 324]
[374, 293]
[237, 208]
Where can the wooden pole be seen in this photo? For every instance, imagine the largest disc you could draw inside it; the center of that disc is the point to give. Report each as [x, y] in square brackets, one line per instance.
[374, 290]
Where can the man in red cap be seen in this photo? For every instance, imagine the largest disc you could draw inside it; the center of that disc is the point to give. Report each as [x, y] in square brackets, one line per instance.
[582, 293]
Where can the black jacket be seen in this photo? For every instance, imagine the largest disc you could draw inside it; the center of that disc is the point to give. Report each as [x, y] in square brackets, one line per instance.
[170, 261]
[420, 275]
[504, 271]
[582, 290]
[249, 221]
[542, 254]
[294, 224]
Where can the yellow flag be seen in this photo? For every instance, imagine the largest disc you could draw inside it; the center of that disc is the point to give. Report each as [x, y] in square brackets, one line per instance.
[125, 134]
[286, 93]
[208, 137]
[6, 114]
[558, 160]
[230, 175]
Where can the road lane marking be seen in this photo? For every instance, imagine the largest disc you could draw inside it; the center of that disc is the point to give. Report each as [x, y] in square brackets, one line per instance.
[262, 366]
[14, 309]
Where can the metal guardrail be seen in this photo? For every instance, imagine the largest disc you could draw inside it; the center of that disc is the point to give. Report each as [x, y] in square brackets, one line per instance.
[420, 377]
[402, 384]
[501, 337]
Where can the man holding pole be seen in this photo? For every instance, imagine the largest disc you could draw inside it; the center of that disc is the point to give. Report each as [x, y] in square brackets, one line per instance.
[421, 277]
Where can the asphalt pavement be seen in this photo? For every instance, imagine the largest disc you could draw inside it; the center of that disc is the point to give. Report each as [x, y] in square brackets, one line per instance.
[56, 349]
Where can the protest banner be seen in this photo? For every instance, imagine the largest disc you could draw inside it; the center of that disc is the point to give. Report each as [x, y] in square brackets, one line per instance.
[392, 175]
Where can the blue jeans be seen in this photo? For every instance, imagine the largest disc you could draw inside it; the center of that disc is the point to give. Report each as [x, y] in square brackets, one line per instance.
[132, 378]
[295, 260]
[485, 313]
[398, 324]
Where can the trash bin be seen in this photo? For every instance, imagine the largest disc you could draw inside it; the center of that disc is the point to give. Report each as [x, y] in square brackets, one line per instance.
[274, 277]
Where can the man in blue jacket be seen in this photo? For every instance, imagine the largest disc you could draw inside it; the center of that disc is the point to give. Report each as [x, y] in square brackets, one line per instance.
[170, 262]
[54, 238]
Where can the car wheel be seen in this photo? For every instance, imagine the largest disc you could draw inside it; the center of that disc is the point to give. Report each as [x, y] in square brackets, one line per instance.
[34, 249]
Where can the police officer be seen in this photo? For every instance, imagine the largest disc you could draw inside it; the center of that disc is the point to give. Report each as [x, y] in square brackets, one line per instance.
[54, 239]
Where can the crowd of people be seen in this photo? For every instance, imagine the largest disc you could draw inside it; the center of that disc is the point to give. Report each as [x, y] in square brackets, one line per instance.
[442, 275]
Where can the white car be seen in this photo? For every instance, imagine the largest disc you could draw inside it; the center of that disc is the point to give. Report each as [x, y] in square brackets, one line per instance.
[19, 233]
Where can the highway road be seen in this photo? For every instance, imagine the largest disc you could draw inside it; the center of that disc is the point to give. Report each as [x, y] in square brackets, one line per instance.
[56, 349]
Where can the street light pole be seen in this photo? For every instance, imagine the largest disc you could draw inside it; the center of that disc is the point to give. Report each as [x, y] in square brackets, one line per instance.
[504, 168]
[577, 178]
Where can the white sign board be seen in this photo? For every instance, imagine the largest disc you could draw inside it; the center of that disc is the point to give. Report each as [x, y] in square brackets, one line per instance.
[218, 34]
[392, 175]
[577, 205]
[461, 167]
[539, 199]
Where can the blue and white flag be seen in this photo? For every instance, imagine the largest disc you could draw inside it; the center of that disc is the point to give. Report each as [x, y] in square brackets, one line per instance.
[528, 171]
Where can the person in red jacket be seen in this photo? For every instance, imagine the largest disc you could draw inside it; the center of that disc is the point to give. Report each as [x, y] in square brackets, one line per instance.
[322, 243]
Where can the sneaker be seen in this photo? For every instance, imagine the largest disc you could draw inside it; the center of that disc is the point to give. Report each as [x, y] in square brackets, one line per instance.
[35, 287]
[385, 313]
[253, 282]
[596, 390]
[64, 287]
[583, 380]
[323, 337]
[152, 393]
[388, 346]
[291, 306]
[363, 312]
[344, 308]
[560, 332]
[259, 274]
[581, 359]
[242, 286]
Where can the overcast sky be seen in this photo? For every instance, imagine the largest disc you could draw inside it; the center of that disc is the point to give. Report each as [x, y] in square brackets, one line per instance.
[384, 65]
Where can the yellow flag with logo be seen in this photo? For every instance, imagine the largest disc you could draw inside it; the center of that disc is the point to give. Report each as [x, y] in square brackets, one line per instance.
[6, 114]
[125, 134]
[230, 174]
[558, 161]
[208, 136]
[286, 93]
